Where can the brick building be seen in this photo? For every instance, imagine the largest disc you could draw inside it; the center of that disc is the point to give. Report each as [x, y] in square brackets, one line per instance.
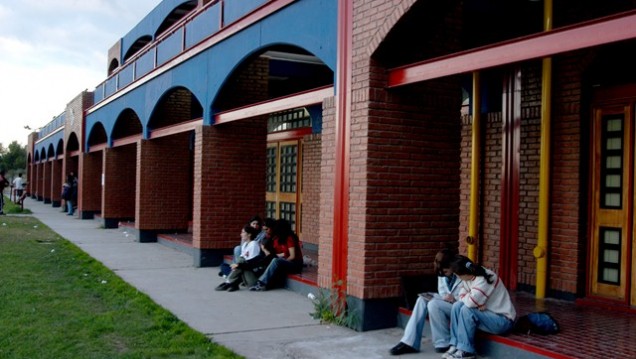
[384, 130]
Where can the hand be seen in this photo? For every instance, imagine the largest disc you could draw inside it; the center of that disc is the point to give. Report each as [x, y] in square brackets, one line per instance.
[449, 298]
[482, 307]
[234, 266]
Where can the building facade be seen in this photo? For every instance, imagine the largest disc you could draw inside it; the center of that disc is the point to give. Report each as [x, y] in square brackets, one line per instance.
[383, 130]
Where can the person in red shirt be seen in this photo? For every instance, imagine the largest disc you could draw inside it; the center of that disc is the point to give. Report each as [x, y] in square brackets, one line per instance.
[289, 257]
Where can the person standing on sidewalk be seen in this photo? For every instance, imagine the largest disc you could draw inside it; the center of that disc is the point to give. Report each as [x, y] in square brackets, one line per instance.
[3, 183]
[438, 308]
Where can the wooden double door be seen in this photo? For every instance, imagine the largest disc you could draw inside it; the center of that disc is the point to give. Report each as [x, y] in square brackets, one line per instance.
[612, 232]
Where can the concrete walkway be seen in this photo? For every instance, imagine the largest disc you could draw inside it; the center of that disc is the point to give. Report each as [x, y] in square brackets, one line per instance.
[272, 324]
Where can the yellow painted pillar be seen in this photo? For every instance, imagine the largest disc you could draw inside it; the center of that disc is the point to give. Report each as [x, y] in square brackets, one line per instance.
[541, 250]
[473, 225]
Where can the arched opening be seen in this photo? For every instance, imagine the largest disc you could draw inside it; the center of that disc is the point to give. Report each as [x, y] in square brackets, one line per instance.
[114, 64]
[97, 135]
[136, 46]
[175, 106]
[175, 15]
[284, 70]
[72, 143]
[127, 124]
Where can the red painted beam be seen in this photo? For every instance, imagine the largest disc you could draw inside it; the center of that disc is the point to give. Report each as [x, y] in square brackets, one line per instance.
[588, 34]
[175, 129]
[96, 148]
[289, 135]
[302, 99]
[126, 140]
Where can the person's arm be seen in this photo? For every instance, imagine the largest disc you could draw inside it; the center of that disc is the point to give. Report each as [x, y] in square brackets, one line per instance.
[479, 292]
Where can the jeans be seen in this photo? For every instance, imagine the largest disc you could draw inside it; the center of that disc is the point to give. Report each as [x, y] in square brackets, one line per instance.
[465, 321]
[439, 312]
[237, 254]
[69, 207]
[278, 268]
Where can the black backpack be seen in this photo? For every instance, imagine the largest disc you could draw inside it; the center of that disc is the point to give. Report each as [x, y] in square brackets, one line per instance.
[536, 323]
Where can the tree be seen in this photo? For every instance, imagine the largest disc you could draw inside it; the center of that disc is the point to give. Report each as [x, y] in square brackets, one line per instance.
[14, 158]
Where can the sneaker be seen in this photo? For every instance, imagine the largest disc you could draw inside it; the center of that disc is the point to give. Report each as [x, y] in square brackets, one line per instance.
[402, 348]
[222, 286]
[441, 349]
[258, 287]
[449, 353]
[460, 354]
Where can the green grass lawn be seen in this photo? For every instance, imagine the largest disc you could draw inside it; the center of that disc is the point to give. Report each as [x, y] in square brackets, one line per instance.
[10, 207]
[57, 302]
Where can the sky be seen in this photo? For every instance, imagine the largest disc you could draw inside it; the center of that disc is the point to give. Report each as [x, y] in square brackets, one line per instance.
[51, 51]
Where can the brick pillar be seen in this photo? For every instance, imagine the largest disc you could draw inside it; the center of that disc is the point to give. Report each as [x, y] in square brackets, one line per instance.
[163, 196]
[40, 182]
[46, 191]
[311, 189]
[56, 183]
[229, 185]
[118, 192]
[90, 184]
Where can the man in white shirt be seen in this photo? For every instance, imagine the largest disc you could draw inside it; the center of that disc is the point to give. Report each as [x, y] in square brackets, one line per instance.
[18, 187]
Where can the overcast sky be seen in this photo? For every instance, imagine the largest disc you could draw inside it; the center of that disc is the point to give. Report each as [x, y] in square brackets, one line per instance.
[52, 50]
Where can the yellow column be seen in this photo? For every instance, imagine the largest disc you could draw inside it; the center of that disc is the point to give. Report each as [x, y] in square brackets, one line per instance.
[473, 226]
[541, 250]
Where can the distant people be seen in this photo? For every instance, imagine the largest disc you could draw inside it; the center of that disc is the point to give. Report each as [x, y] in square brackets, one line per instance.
[69, 193]
[18, 187]
[289, 257]
[3, 183]
[250, 253]
[438, 308]
[484, 304]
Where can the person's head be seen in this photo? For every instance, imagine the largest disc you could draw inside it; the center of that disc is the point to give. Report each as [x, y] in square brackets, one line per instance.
[442, 262]
[2, 173]
[467, 270]
[268, 227]
[256, 222]
[248, 233]
[19, 174]
[283, 228]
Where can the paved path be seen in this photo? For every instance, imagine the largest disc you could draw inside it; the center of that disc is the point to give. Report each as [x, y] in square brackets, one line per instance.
[272, 324]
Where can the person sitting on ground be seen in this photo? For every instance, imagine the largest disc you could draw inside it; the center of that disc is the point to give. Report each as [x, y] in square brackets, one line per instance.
[438, 309]
[289, 258]
[257, 224]
[484, 304]
[266, 229]
[250, 252]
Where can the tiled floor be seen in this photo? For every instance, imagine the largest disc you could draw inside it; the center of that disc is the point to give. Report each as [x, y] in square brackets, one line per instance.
[586, 331]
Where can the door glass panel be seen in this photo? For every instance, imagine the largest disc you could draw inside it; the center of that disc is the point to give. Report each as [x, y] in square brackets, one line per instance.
[288, 212]
[612, 162]
[609, 261]
[270, 170]
[288, 167]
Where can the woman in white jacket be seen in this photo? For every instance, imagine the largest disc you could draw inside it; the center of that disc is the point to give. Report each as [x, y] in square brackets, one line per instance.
[438, 309]
[484, 304]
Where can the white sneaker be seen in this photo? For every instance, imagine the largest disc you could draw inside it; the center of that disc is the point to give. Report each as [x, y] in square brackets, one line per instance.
[449, 353]
[460, 354]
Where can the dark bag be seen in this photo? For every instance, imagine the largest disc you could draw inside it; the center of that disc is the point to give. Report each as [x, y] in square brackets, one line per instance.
[536, 323]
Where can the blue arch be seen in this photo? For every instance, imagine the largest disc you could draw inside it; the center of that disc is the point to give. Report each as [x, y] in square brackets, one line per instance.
[149, 24]
[205, 74]
[52, 140]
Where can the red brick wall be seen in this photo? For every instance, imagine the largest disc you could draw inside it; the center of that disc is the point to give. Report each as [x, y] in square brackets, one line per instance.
[404, 170]
[56, 180]
[162, 194]
[568, 238]
[490, 187]
[120, 167]
[229, 180]
[327, 176]
[90, 182]
[311, 189]
[46, 177]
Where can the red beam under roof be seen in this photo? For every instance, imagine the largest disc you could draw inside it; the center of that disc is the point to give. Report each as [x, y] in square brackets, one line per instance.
[175, 129]
[307, 98]
[588, 34]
